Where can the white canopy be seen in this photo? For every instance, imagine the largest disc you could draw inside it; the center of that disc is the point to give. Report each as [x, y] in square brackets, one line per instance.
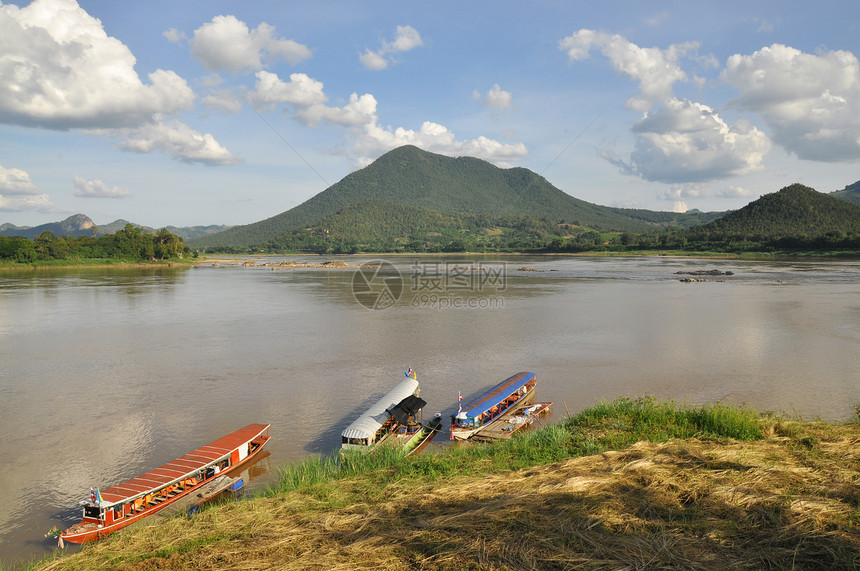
[366, 425]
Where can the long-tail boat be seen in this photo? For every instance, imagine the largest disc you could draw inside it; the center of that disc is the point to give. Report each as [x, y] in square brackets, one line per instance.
[419, 441]
[384, 418]
[124, 504]
[495, 404]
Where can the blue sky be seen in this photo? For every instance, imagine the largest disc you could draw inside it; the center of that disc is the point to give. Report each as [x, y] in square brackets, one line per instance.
[213, 112]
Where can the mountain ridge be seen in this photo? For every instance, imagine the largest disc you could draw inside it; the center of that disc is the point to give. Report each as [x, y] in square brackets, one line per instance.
[414, 177]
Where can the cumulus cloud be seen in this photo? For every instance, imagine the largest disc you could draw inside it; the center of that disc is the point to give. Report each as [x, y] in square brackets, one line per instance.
[306, 97]
[16, 182]
[308, 102]
[223, 100]
[227, 44]
[676, 140]
[699, 190]
[375, 140]
[174, 36]
[406, 38]
[656, 70]
[18, 193]
[684, 141]
[179, 141]
[97, 189]
[808, 101]
[497, 99]
[61, 71]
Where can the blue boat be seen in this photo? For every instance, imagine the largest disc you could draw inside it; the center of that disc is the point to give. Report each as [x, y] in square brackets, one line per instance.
[494, 405]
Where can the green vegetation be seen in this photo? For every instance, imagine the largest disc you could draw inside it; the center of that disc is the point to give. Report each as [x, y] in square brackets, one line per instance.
[795, 219]
[851, 193]
[410, 200]
[128, 245]
[462, 186]
[632, 483]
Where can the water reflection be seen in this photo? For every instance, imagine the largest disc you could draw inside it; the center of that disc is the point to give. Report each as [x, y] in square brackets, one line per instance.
[107, 373]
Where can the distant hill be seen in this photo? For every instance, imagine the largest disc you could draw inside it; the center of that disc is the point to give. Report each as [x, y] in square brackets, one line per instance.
[412, 177]
[851, 193]
[77, 225]
[794, 211]
[82, 225]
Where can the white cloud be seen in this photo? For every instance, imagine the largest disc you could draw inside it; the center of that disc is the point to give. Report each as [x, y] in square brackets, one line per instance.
[177, 140]
[227, 44]
[406, 38]
[684, 141]
[809, 102]
[19, 194]
[680, 206]
[97, 189]
[308, 101]
[174, 36]
[33, 203]
[16, 182]
[61, 70]
[498, 99]
[656, 70]
[376, 140]
[224, 101]
[699, 190]
[373, 60]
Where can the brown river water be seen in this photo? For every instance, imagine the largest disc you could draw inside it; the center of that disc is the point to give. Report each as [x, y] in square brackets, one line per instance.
[107, 373]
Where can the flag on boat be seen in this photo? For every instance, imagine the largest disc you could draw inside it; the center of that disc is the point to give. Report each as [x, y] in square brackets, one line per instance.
[459, 402]
[93, 495]
[411, 374]
[98, 496]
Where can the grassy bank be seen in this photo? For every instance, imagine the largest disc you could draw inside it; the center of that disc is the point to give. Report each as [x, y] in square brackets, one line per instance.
[626, 484]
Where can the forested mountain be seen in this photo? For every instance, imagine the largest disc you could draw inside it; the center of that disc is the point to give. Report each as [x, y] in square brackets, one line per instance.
[382, 226]
[465, 185]
[796, 211]
[851, 193]
[77, 225]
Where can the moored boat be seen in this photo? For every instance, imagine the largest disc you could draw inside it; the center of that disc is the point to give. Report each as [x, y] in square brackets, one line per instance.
[422, 438]
[500, 400]
[124, 504]
[387, 416]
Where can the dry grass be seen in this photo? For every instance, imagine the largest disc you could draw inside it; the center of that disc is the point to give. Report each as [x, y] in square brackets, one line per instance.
[790, 500]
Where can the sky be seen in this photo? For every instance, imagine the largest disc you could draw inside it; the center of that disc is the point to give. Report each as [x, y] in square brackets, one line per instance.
[214, 112]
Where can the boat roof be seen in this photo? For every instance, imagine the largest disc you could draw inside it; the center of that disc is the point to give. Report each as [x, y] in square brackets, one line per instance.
[406, 408]
[366, 425]
[183, 467]
[496, 395]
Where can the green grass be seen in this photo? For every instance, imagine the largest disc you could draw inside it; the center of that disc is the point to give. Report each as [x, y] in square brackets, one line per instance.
[605, 426]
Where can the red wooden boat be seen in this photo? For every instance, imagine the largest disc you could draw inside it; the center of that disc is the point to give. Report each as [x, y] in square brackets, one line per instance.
[124, 504]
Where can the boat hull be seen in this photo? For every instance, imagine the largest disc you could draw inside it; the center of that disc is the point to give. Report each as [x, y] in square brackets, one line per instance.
[85, 532]
[468, 433]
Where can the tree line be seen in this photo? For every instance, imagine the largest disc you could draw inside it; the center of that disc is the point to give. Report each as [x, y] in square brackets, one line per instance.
[130, 244]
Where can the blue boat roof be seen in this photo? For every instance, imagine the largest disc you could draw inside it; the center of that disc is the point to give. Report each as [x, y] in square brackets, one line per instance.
[496, 395]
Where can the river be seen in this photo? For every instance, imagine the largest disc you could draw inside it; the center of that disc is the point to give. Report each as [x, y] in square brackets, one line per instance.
[107, 373]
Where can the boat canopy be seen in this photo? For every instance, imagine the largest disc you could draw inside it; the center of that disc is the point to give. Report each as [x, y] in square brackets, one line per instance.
[494, 396]
[406, 408]
[366, 425]
[183, 467]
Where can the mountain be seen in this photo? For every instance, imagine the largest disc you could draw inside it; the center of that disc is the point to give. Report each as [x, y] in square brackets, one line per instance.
[77, 225]
[851, 193]
[794, 211]
[81, 225]
[412, 177]
[184, 232]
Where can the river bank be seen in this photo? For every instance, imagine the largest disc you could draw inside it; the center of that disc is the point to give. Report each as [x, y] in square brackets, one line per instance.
[627, 484]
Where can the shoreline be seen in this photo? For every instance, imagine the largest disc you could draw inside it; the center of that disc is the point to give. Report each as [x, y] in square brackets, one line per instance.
[246, 260]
